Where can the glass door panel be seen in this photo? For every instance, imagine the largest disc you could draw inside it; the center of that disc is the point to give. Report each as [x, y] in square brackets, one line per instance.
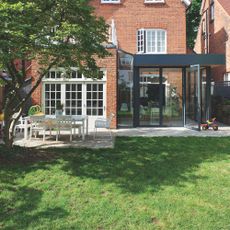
[52, 97]
[73, 99]
[193, 98]
[149, 107]
[172, 96]
[94, 99]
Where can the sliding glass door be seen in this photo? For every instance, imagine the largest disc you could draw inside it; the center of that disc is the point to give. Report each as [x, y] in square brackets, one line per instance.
[149, 91]
[193, 98]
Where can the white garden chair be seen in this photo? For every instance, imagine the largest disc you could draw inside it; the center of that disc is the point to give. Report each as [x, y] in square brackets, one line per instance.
[64, 122]
[37, 125]
[103, 123]
[20, 125]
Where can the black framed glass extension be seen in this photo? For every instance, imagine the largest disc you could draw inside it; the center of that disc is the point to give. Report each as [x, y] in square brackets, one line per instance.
[164, 90]
[160, 97]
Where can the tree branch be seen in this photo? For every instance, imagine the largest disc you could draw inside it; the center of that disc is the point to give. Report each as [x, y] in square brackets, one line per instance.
[23, 101]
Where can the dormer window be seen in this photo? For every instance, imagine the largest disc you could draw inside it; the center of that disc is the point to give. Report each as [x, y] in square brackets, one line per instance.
[154, 1]
[111, 1]
[152, 41]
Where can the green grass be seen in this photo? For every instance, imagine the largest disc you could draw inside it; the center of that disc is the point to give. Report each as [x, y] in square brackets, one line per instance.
[143, 183]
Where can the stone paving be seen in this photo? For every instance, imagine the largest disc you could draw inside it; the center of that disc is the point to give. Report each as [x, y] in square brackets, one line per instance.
[172, 132]
[103, 139]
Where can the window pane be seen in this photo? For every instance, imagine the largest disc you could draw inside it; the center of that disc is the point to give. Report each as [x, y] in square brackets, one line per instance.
[73, 87]
[154, 40]
[100, 87]
[79, 95]
[88, 87]
[52, 74]
[94, 87]
[100, 112]
[74, 74]
[79, 87]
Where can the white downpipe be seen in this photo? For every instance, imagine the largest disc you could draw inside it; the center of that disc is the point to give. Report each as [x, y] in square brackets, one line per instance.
[114, 33]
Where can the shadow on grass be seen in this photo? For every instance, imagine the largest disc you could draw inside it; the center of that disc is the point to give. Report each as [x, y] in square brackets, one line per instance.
[138, 164]
[20, 204]
[135, 165]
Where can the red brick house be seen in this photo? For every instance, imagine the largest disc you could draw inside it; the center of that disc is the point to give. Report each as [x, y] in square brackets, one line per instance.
[144, 81]
[213, 38]
[213, 34]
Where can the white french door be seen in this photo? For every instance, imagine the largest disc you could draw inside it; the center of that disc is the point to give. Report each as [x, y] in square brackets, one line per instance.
[78, 98]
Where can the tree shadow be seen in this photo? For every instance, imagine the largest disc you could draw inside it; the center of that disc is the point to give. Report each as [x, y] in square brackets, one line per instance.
[138, 164]
[20, 204]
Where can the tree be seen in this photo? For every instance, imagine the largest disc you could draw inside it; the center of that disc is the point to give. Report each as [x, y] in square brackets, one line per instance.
[193, 20]
[54, 33]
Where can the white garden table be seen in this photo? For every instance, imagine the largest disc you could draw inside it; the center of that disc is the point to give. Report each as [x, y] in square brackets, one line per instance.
[76, 119]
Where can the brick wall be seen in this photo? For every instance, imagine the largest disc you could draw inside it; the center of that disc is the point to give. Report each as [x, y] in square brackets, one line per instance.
[37, 95]
[131, 15]
[110, 64]
[219, 31]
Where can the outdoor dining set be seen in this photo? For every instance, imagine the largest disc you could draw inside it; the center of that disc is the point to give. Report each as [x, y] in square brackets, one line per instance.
[38, 123]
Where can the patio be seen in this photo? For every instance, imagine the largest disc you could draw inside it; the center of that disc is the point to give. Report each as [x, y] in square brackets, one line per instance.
[103, 140]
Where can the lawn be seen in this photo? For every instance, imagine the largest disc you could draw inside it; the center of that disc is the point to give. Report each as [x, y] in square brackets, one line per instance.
[143, 183]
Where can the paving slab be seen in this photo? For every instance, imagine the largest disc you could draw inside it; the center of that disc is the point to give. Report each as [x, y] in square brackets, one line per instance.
[172, 132]
[103, 139]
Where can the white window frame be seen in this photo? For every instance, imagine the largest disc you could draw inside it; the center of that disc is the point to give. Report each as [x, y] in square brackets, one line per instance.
[227, 76]
[66, 79]
[154, 1]
[110, 1]
[141, 40]
[144, 49]
[84, 81]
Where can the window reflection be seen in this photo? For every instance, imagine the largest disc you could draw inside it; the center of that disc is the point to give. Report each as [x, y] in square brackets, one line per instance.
[125, 90]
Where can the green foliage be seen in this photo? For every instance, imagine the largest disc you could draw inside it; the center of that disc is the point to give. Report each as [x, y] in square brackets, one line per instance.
[142, 184]
[2, 83]
[60, 33]
[43, 30]
[193, 20]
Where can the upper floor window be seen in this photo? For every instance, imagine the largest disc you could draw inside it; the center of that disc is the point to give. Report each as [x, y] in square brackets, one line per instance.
[151, 41]
[227, 77]
[154, 1]
[110, 1]
[212, 10]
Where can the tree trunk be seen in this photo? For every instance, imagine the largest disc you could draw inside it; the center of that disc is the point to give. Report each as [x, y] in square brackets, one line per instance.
[10, 120]
[7, 131]
[7, 135]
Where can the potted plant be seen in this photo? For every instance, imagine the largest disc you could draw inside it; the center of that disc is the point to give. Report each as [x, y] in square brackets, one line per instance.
[59, 108]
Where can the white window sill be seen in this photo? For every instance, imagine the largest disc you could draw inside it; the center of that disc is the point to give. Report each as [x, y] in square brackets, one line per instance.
[153, 2]
[110, 2]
